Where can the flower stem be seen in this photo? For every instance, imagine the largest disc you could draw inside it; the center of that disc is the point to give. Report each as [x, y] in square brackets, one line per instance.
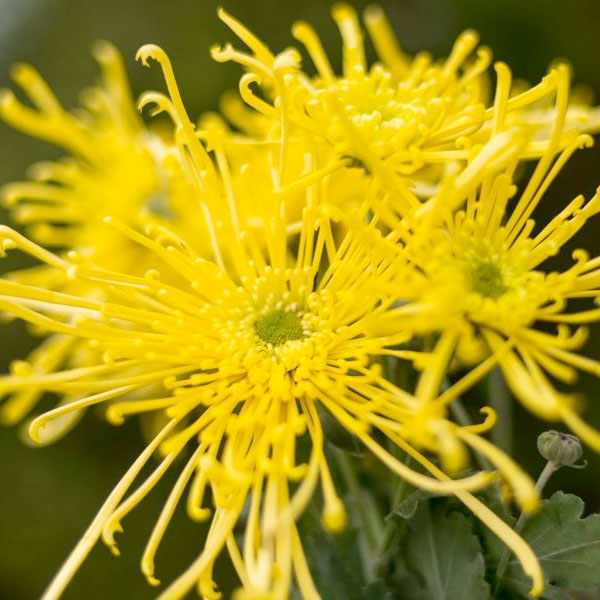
[366, 511]
[391, 524]
[503, 562]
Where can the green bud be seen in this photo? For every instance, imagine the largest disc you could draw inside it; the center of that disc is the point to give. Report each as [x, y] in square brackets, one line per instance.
[563, 449]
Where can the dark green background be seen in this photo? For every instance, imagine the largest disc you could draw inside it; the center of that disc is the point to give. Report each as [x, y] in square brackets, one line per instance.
[47, 497]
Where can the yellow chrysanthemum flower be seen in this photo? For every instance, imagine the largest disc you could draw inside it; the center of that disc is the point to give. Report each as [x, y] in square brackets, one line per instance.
[482, 282]
[63, 203]
[248, 346]
[402, 116]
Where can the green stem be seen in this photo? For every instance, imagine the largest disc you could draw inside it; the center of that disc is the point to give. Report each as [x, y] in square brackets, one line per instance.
[550, 467]
[391, 524]
[503, 562]
[365, 509]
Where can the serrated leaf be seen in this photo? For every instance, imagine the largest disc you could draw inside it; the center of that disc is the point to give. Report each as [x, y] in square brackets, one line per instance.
[408, 507]
[567, 546]
[443, 555]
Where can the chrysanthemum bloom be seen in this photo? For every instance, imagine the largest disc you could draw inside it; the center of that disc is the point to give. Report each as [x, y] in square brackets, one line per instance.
[249, 346]
[63, 203]
[486, 289]
[402, 116]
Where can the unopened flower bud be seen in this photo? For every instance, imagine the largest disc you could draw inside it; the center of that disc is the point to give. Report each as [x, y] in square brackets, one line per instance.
[563, 449]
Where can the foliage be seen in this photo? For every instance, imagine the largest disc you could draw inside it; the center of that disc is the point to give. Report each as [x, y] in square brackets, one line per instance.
[442, 553]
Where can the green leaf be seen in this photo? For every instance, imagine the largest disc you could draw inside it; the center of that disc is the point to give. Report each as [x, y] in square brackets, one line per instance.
[378, 590]
[443, 556]
[408, 507]
[333, 560]
[567, 546]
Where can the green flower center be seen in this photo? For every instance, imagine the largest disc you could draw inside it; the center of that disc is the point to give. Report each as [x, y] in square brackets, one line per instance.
[487, 279]
[278, 327]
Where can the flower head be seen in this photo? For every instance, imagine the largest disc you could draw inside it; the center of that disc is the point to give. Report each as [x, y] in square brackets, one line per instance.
[63, 203]
[247, 345]
[403, 116]
[486, 289]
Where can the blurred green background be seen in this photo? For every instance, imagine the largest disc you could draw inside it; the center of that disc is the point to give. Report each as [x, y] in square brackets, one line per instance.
[48, 496]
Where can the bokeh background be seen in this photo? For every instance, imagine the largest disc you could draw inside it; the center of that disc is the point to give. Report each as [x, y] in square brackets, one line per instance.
[48, 496]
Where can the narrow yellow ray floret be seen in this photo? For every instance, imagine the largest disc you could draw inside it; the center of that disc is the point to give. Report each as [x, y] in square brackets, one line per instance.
[248, 345]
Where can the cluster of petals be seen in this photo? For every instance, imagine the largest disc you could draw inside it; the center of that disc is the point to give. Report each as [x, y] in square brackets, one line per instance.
[237, 279]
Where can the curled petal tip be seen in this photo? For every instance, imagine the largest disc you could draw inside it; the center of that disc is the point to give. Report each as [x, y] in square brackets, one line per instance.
[221, 53]
[249, 78]
[148, 571]
[144, 100]
[152, 580]
[148, 51]
[160, 101]
[199, 514]
[108, 536]
[33, 430]
[114, 416]
[585, 141]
